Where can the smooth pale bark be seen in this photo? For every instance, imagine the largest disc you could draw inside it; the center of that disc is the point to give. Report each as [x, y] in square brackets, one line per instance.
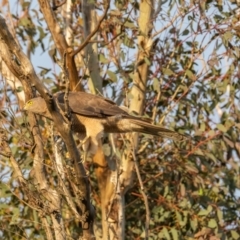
[113, 207]
[106, 187]
[141, 69]
[113, 189]
[67, 15]
[13, 82]
[138, 92]
[91, 50]
[102, 170]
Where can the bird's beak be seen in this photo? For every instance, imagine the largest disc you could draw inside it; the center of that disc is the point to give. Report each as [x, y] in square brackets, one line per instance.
[24, 108]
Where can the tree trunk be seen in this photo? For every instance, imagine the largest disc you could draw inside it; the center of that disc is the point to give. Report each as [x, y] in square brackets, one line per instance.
[91, 50]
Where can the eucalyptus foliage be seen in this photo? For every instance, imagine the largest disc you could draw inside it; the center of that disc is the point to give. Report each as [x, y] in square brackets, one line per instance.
[193, 187]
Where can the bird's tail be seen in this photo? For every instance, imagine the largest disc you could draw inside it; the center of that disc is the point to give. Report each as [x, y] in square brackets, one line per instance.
[144, 127]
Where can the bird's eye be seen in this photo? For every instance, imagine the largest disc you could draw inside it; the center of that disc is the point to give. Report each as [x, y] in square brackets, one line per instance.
[30, 103]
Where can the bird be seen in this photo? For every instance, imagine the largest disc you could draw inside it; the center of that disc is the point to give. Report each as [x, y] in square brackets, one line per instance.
[92, 115]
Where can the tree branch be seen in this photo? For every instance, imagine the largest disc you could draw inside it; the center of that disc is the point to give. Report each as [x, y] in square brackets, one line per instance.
[143, 194]
[22, 68]
[47, 228]
[88, 38]
[61, 43]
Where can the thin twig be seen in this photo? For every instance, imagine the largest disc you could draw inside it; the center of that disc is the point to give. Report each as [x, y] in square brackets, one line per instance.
[66, 101]
[62, 178]
[88, 38]
[156, 105]
[201, 143]
[117, 196]
[165, 27]
[57, 5]
[145, 199]
[47, 228]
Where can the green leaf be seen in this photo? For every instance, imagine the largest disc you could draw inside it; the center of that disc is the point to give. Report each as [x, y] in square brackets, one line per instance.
[185, 32]
[112, 76]
[209, 208]
[221, 127]
[122, 56]
[212, 223]
[147, 61]
[14, 216]
[166, 190]
[129, 24]
[136, 230]
[228, 35]
[190, 74]
[211, 156]
[143, 234]
[199, 152]
[167, 71]
[160, 235]
[202, 126]
[102, 58]
[235, 235]
[4, 189]
[182, 190]
[194, 223]
[191, 169]
[42, 34]
[24, 21]
[183, 203]
[156, 85]
[220, 215]
[128, 41]
[179, 216]
[211, 133]
[174, 233]
[203, 212]
[166, 233]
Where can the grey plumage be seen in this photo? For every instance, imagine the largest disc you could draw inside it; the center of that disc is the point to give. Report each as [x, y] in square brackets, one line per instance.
[93, 115]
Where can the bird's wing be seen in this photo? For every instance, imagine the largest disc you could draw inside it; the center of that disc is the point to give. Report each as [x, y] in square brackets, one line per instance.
[90, 105]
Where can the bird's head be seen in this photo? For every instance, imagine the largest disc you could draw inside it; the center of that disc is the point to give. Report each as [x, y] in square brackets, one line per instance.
[28, 105]
[38, 106]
